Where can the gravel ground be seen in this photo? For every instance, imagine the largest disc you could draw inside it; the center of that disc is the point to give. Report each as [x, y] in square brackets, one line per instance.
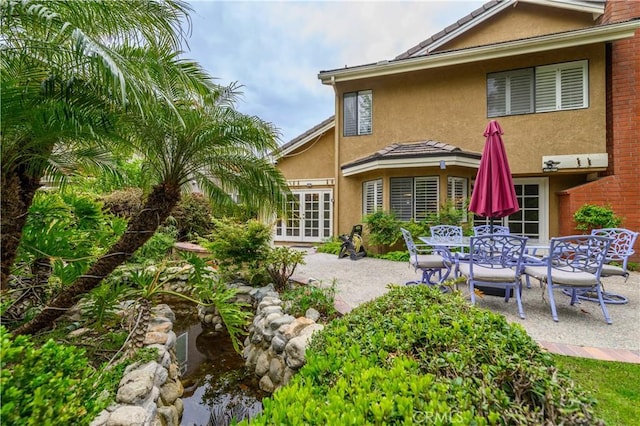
[583, 324]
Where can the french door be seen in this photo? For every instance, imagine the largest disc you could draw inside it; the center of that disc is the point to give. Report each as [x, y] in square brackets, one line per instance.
[308, 217]
[533, 218]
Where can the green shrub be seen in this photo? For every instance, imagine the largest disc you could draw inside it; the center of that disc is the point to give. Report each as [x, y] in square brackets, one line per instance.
[157, 247]
[240, 249]
[50, 385]
[417, 356]
[331, 246]
[319, 298]
[383, 228]
[192, 217]
[281, 263]
[590, 216]
[124, 203]
[397, 256]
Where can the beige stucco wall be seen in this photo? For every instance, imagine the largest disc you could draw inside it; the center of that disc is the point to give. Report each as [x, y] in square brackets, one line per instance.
[314, 160]
[521, 21]
[449, 105]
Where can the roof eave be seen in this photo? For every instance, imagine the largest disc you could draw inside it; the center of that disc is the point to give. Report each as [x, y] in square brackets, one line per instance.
[460, 159]
[591, 35]
[319, 132]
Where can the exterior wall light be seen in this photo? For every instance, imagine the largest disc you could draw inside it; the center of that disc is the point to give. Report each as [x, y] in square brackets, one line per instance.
[550, 166]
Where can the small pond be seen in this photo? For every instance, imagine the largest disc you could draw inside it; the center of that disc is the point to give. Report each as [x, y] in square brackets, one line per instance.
[217, 386]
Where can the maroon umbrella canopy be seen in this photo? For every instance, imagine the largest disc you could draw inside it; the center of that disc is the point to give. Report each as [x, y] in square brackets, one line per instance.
[493, 193]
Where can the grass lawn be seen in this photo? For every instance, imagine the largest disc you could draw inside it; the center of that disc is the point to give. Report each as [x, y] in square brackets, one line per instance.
[615, 385]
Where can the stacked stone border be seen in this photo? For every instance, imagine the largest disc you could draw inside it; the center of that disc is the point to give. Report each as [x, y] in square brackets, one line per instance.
[150, 394]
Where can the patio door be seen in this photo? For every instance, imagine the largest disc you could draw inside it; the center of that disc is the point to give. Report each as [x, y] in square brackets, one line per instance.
[308, 217]
[533, 218]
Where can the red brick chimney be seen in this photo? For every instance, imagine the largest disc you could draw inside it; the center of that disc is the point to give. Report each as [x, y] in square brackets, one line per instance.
[619, 186]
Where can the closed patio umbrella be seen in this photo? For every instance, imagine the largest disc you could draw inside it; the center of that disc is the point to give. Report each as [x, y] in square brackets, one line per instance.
[494, 195]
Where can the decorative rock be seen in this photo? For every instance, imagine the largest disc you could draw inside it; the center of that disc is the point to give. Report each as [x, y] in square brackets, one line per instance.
[296, 327]
[271, 310]
[171, 391]
[312, 314]
[154, 337]
[308, 331]
[288, 374]
[278, 343]
[171, 340]
[128, 415]
[134, 387]
[295, 351]
[179, 406]
[102, 419]
[161, 376]
[163, 310]
[262, 364]
[276, 369]
[266, 384]
[161, 327]
[275, 324]
[174, 372]
[169, 415]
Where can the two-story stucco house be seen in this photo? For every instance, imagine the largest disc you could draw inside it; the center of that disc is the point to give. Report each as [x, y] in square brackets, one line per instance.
[561, 77]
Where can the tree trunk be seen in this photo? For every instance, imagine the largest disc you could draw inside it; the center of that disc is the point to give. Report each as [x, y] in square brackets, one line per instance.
[17, 191]
[157, 208]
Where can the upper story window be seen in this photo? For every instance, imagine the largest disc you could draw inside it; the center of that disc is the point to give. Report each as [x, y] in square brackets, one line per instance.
[546, 88]
[357, 113]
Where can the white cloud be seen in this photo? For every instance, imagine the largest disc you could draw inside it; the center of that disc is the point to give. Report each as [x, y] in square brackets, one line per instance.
[276, 49]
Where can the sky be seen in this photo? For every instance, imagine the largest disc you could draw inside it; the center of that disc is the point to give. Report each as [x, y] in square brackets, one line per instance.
[275, 49]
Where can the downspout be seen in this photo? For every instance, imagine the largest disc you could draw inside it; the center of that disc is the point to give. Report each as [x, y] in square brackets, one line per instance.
[336, 159]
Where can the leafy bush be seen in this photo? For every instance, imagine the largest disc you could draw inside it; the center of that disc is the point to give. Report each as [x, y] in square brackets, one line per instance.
[331, 246]
[281, 263]
[397, 256]
[50, 385]
[320, 298]
[192, 217]
[383, 228]
[590, 216]
[240, 249]
[417, 356]
[157, 247]
[124, 203]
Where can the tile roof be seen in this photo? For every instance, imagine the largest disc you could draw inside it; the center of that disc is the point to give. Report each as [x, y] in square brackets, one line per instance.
[420, 149]
[459, 23]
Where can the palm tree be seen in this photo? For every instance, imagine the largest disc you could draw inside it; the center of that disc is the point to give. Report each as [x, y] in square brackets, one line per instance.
[211, 143]
[68, 71]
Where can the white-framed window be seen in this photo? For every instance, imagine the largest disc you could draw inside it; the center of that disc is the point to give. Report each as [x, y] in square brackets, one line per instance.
[545, 88]
[357, 117]
[414, 197]
[371, 196]
[510, 92]
[458, 194]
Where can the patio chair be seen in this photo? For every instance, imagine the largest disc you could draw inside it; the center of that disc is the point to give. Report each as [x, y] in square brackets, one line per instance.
[615, 264]
[620, 250]
[495, 261]
[447, 234]
[574, 264]
[430, 261]
[486, 230]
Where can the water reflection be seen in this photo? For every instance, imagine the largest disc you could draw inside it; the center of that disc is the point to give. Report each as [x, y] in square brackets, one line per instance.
[217, 387]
